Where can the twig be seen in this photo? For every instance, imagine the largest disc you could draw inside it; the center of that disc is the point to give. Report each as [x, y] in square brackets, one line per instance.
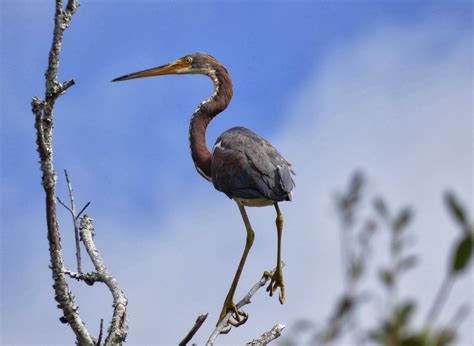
[269, 336]
[438, 302]
[82, 210]
[74, 220]
[72, 211]
[244, 301]
[118, 329]
[459, 316]
[64, 204]
[199, 321]
[43, 111]
[101, 330]
[44, 124]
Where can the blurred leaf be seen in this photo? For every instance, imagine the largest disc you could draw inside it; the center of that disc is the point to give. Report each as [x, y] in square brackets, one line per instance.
[402, 220]
[386, 276]
[303, 325]
[445, 337]
[345, 305]
[404, 311]
[428, 337]
[347, 202]
[397, 244]
[456, 209]
[378, 335]
[356, 183]
[356, 269]
[415, 340]
[381, 207]
[463, 254]
[408, 263]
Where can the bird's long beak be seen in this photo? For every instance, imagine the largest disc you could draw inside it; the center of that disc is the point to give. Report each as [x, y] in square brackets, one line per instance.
[173, 68]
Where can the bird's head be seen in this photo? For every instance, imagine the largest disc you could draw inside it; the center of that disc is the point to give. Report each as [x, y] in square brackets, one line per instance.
[197, 63]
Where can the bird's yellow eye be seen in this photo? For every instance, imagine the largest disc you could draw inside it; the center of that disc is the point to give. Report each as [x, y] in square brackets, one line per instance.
[188, 60]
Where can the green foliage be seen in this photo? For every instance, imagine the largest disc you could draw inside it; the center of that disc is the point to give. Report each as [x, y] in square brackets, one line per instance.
[402, 220]
[396, 327]
[456, 209]
[462, 254]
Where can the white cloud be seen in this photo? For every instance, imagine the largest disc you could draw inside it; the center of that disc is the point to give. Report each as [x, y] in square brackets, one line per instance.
[397, 103]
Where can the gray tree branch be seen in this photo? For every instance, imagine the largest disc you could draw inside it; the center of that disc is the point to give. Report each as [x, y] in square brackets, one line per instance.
[269, 336]
[199, 322]
[44, 124]
[118, 328]
[72, 211]
[43, 111]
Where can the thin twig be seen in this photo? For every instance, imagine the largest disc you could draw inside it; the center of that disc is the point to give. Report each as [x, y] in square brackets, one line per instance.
[118, 329]
[199, 321]
[268, 337]
[244, 301]
[88, 278]
[460, 315]
[101, 330]
[82, 210]
[438, 302]
[72, 210]
[64, 204]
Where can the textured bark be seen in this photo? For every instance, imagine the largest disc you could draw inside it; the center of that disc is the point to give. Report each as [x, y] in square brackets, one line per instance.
[199, 321]
[269, 336]
[118, 328]
[44, 124]
[43, 110]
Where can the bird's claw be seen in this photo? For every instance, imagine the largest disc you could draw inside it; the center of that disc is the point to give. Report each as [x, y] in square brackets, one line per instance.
[276, 280]
[237, 321]
[237, 318]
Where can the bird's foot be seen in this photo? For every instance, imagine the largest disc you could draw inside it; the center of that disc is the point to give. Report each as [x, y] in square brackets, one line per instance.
[276, 280]
[237, 318]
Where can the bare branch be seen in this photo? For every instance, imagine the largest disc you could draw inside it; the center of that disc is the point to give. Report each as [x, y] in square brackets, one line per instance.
[199, 321]
[269, 336]
[72, 211]
[118, 329]
[244, 301]
[44, 123]
[82, 210]
[64, 204]
[43, 111]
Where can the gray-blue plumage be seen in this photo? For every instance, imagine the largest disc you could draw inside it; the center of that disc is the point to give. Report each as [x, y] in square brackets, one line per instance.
[246, 166]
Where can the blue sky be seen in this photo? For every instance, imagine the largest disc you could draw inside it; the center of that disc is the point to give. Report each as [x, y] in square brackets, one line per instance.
[380, 85]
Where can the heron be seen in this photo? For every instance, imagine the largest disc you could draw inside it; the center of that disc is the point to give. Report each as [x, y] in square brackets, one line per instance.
[243, 165]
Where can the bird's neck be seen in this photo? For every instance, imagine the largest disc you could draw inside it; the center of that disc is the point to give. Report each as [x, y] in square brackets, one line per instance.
[203, 114]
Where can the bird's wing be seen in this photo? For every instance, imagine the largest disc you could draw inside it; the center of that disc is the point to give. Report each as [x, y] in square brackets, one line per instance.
[246, 165]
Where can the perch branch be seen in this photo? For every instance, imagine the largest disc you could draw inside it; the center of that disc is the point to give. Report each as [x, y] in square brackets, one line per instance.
[244, 301]
[43, 111]
[199, 321]
[269, 336]
[118, 328]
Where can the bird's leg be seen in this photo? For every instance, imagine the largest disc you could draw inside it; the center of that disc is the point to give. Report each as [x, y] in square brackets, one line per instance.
[240, 317]
[277, 277]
